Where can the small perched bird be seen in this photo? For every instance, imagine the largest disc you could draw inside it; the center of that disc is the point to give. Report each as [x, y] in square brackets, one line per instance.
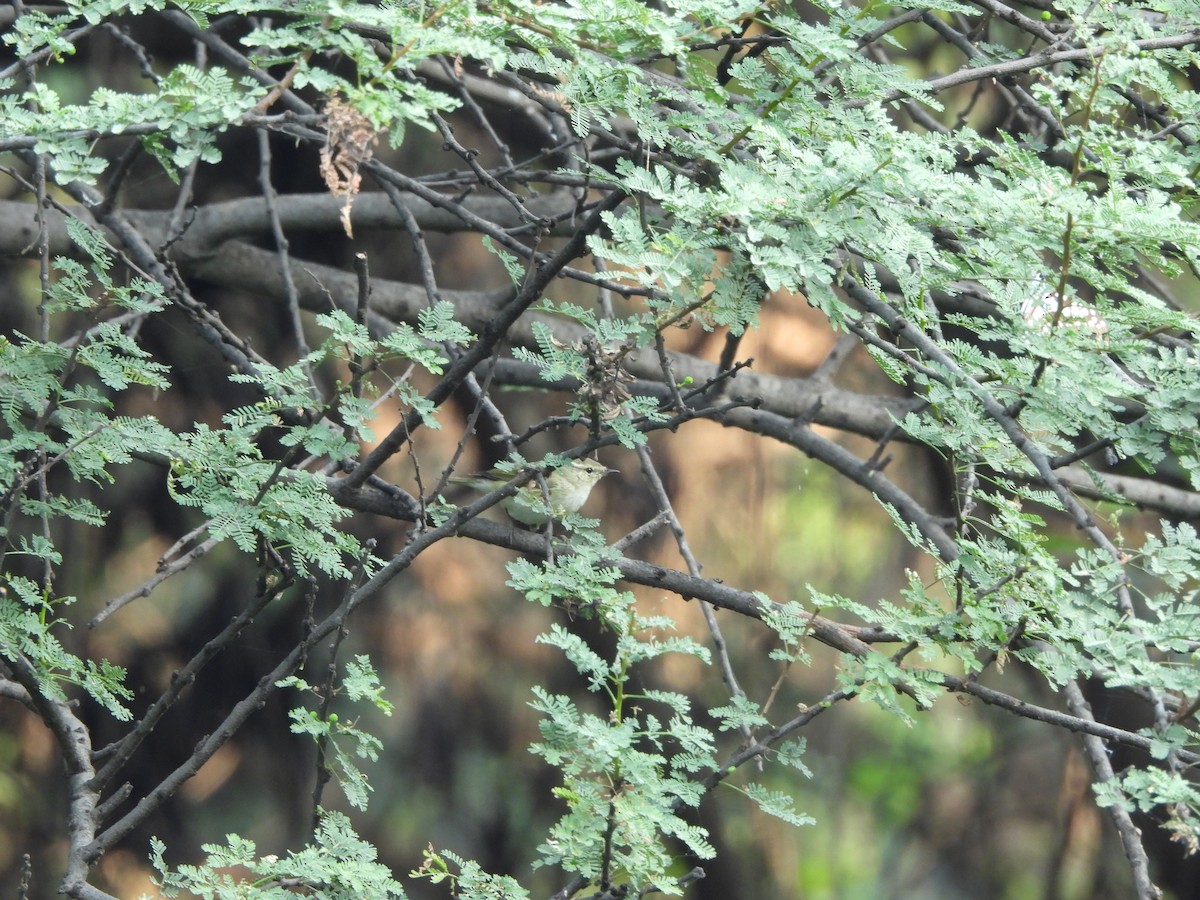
[568, 488]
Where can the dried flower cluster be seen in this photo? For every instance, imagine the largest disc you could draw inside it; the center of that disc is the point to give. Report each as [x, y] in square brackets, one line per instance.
[604, 388]
[349, 137]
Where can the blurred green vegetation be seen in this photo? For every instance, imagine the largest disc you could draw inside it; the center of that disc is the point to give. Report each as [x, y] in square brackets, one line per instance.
[960, 802]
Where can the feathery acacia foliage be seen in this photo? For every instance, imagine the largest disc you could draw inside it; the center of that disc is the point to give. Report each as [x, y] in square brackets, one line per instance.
[1012, 243]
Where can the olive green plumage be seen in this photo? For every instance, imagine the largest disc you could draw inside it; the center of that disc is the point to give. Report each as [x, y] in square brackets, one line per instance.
[568, 488]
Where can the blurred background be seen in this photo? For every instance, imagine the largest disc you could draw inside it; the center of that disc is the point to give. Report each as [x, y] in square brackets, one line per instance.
[962, 802]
